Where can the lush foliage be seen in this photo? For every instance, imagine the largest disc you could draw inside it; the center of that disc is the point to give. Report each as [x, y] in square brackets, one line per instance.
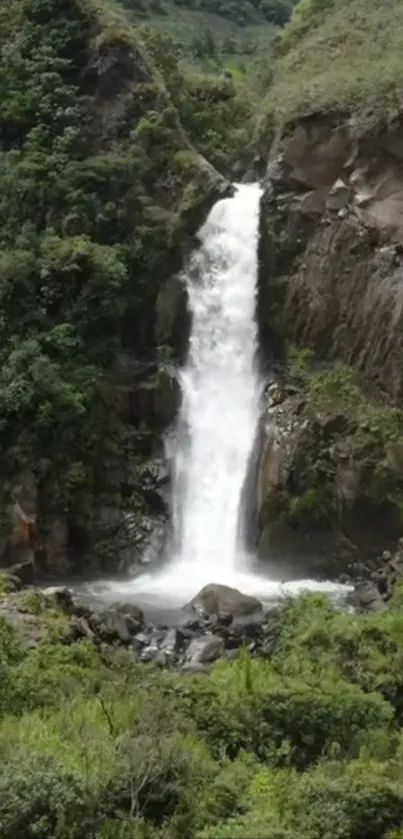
[213, 29]
[349, 449]
[216, 111]
[339, 55]
[92, 208]
[306, 742]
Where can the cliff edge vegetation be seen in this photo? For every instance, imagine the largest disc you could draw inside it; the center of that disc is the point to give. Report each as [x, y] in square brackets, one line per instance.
[340, 56]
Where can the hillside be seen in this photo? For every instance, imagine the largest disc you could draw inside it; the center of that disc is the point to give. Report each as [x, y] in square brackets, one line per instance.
[210, 33]
[100, 186]
[343, 56]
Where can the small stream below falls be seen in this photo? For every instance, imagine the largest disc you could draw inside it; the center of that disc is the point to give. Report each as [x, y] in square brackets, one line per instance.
[217, 426]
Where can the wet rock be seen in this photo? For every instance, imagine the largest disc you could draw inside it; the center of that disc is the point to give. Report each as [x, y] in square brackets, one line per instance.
[141, 639]
[339, 196]
[173, 641]
[173, 316]
[57, 560]
[62, 597]
[215, 599]
[204, 650]
[149, 653]
[129, 610]
[79, 628]
[156, 400]
[117, 627]
[366, 597]
[250, 626]
[23, 573]
[193, 626]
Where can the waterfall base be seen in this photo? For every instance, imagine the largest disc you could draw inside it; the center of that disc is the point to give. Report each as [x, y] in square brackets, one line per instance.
[165, 593]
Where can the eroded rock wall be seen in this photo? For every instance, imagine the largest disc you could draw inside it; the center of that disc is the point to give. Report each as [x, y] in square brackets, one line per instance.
[333, 261]
[341, 208]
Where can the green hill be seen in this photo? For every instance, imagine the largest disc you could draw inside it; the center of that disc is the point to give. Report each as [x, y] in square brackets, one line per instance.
[339, 55]
[212, 31]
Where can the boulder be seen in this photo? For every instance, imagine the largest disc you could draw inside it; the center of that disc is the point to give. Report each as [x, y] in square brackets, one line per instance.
[131, 610]
[204, 650]
[216, 599]
[121, 623]
[140, 640]
[173, 641]
[366, 597]
[149, 653]
[23, 573]
[62, 596]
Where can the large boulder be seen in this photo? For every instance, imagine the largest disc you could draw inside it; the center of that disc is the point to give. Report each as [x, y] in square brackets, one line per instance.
[215, 599]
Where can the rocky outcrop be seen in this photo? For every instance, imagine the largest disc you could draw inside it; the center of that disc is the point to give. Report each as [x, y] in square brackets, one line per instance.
[328, 494]
[173, 317]
[373, 594]
[131, 508]
[338, 206]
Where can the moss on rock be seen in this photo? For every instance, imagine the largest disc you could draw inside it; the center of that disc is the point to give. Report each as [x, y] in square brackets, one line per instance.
[341, 475]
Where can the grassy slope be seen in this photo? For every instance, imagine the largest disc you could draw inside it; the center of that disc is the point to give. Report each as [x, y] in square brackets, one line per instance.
[347, 57]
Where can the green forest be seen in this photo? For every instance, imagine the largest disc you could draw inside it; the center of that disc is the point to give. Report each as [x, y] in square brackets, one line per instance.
[120, 126]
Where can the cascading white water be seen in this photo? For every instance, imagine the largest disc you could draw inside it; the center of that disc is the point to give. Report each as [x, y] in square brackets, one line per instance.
[220, 387]
[218, 418]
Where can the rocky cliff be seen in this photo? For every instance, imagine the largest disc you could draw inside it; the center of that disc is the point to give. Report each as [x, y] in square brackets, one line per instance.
[331, 278]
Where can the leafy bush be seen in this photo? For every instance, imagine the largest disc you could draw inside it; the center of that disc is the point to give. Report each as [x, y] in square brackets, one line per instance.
[306, 744]
[39, 798]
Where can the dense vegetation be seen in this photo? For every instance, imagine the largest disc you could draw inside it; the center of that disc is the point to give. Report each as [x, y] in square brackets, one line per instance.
[343, 56]
[344, 430]
[304, 744]
[210, 32]
[98, 185]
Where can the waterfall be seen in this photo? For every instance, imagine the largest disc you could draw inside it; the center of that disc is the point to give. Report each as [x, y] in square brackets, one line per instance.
[216, 429]
[220, 387]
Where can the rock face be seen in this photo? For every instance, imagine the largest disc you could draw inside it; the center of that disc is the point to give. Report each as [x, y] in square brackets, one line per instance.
[331, 274]
[337, 206]
[373, 594]
[173, 317]
[320, 494]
